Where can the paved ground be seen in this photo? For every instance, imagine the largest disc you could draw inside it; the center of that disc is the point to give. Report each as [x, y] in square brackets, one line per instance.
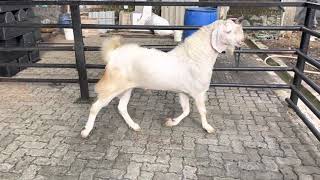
[257, 136]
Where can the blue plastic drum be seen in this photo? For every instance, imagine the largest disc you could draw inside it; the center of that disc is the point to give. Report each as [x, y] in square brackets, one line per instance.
[199, 16]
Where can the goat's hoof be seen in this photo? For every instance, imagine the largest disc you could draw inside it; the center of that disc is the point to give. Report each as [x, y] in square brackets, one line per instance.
[169, 122]
[209, 128]
[136, 127]
[85, 133]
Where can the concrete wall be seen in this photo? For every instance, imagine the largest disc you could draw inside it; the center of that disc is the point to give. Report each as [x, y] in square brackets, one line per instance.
[298, 18]
[49, 12]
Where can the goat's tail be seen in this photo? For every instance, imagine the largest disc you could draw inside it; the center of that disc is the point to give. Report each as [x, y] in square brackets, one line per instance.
[109, 45]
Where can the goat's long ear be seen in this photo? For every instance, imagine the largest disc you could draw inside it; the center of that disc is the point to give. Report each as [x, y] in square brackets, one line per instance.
[217, 39]
[239, 20]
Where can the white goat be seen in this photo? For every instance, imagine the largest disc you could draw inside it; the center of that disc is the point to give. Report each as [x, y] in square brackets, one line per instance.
[187, 69]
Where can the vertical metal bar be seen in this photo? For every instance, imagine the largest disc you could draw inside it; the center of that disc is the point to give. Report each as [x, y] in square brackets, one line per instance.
[79, 51]
[237, 57]
[304, 46]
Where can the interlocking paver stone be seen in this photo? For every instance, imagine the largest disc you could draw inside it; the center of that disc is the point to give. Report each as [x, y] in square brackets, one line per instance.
[40, 152]
[87, 174]
[257, 135]
[76, 167]
[53, 170]
[5, 167]
[232, 169]
[268, 175]
[163, 158]
[251, 166]
[308, 169]
[165, 176]
[91, 155]
[133, 170]
[288, 172]
[288, 161]
[175, 164]
[145, 175]
[112, 174]
[270, 163]
[189, 172]
[155, 167]
[30, 172]
[34, 145]
[215, 148]
[211, 171]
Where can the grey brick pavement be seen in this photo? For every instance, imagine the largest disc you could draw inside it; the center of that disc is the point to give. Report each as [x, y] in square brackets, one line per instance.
[257, 136]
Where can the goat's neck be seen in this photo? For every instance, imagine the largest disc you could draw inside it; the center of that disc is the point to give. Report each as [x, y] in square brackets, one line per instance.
[198, 50]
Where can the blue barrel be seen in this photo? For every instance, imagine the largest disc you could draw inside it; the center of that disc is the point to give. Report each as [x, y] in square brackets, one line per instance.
[198, 16]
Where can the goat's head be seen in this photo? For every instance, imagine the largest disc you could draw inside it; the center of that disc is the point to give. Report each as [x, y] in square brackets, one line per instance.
[227, 35]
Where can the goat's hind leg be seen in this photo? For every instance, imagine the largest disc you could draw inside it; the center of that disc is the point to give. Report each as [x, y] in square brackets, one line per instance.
[123, 104]
[184, 101]
[94, 110]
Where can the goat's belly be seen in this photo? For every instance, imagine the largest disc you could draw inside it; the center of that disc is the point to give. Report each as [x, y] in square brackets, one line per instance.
[163, 88]
[162, 82]
[160, 72]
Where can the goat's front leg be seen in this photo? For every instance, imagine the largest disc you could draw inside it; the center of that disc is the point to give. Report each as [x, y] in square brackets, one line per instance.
[200, 103]
[184, 101]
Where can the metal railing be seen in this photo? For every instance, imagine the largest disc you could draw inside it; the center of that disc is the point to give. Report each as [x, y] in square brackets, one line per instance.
[79, 48]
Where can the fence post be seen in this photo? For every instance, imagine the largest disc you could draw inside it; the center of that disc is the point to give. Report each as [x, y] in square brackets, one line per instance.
[79, 51]
[304, 46]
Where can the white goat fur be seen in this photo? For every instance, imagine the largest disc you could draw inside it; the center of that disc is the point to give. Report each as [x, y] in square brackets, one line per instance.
[187, 69]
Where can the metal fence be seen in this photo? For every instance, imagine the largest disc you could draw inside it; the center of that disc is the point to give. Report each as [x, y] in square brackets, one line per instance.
[79, 48]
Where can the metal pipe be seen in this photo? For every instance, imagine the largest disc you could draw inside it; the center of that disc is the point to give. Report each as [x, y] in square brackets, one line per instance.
[248, 51]
[313, 5]
[56, 43]
[304, 46]
[254, 69]
[157, 3]
[311, 32]
[99, 26]
[79, 51]
[39, 65]
[35, 25]
[276, 86]
[148, 27]
[42, 48]
[97, 48]
[37, 80]
[307, 80]
[270, 51]
[273, 28]
[308, 59]
[306, 121]
[102, 66]
[48, 65]
[306, 101]
[96, 66]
